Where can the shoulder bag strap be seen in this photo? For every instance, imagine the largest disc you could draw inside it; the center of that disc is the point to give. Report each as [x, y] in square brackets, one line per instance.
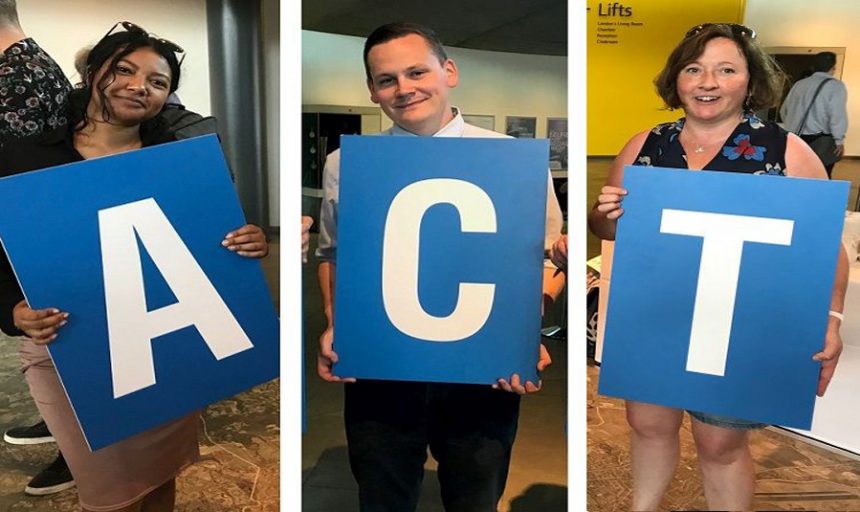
[805, 115]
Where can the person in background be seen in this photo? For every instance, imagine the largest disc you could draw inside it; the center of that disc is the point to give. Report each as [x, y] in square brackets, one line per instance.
[816, 108]
[307, 222]
[33, 99]
[558, 253]
[33, 88]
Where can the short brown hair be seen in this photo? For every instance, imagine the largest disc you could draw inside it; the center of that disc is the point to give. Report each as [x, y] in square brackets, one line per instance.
[766, 77]
[399, 29]
[8, 13]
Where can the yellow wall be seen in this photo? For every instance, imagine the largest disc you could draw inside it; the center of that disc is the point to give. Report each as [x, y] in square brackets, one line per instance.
[624, 58]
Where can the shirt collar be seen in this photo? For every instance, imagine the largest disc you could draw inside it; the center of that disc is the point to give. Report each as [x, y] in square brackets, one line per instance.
[454, 128]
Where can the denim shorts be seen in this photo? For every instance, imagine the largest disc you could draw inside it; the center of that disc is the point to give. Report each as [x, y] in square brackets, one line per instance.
[726, 421]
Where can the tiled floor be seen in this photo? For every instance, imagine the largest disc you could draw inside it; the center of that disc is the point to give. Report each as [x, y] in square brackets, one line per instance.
[538, 475]
[239, 444]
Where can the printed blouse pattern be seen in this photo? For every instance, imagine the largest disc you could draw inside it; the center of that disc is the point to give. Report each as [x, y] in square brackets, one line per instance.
[33, 92]
[755, 147]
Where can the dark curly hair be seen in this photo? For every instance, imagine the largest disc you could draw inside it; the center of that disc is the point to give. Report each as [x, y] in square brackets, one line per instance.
[766, 77]
[112, 49]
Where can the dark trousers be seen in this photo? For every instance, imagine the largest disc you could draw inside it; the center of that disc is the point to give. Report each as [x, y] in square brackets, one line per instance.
[470, 430]
[808, 139]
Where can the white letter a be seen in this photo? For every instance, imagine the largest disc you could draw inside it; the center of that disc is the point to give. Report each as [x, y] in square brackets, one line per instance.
[131, 327]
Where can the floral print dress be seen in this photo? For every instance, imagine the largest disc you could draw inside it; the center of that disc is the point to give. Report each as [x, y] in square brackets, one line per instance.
[755, 147]
[33, 92]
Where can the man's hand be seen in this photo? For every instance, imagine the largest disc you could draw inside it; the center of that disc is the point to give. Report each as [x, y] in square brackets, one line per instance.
[248, 241]
[515, 386]
[40, 325]
[327, 357]
[558, 253]
[307, 222]
[839, 151]
[828, 357]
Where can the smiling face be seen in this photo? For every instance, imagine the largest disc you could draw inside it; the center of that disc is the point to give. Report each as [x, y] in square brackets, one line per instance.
[136, 92]
[715, 85]
[410, 84]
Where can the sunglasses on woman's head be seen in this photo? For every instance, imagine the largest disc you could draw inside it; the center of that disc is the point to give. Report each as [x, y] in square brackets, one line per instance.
[136, 29]
[737, 30]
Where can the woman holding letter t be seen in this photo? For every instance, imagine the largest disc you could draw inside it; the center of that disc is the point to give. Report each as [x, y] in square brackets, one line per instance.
[719, 76]
[129, 75]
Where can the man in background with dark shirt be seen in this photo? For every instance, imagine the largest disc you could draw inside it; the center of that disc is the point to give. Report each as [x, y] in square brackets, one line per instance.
[33, 99]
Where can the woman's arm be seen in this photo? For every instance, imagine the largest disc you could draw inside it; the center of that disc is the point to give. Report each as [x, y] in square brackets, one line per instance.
[16, 316]
[801, 161]
[10, 295]
[605, 212]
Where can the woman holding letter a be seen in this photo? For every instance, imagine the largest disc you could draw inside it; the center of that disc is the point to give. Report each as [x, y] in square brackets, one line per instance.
[719, 76]
[129, 76]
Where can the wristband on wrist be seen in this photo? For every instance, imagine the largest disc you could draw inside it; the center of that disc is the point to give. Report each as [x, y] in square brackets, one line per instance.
[836, 314]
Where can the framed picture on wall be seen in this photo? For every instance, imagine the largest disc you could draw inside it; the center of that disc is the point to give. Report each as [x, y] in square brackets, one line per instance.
[521, 127]
[556, 132]
[487, 122]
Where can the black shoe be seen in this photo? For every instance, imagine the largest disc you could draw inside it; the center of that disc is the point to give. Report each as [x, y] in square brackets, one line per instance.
[52, 479]
[34, 434]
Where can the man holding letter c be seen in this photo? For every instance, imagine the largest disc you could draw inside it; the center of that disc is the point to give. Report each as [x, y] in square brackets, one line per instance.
[470, 428]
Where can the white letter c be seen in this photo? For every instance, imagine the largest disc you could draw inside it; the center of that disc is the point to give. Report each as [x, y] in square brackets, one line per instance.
[400, 251]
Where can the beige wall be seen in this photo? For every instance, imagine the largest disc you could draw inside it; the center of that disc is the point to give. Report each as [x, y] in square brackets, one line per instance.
[62, 27]
[491, 83]
[823, 23]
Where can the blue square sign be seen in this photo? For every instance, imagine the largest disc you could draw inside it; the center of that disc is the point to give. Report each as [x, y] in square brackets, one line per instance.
[162, 319]
[439, 260]
[721, 284]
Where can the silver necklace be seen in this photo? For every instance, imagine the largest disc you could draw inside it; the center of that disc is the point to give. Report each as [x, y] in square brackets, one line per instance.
[697, 147]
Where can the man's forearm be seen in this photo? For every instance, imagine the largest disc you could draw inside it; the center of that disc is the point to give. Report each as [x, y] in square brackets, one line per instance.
[326, 273]
[840, 282]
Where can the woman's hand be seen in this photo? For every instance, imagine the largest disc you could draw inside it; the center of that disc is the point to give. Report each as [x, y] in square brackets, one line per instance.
[607, 208]
[609, 201]
[40, 325]
[828, 357]
[248, 241]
